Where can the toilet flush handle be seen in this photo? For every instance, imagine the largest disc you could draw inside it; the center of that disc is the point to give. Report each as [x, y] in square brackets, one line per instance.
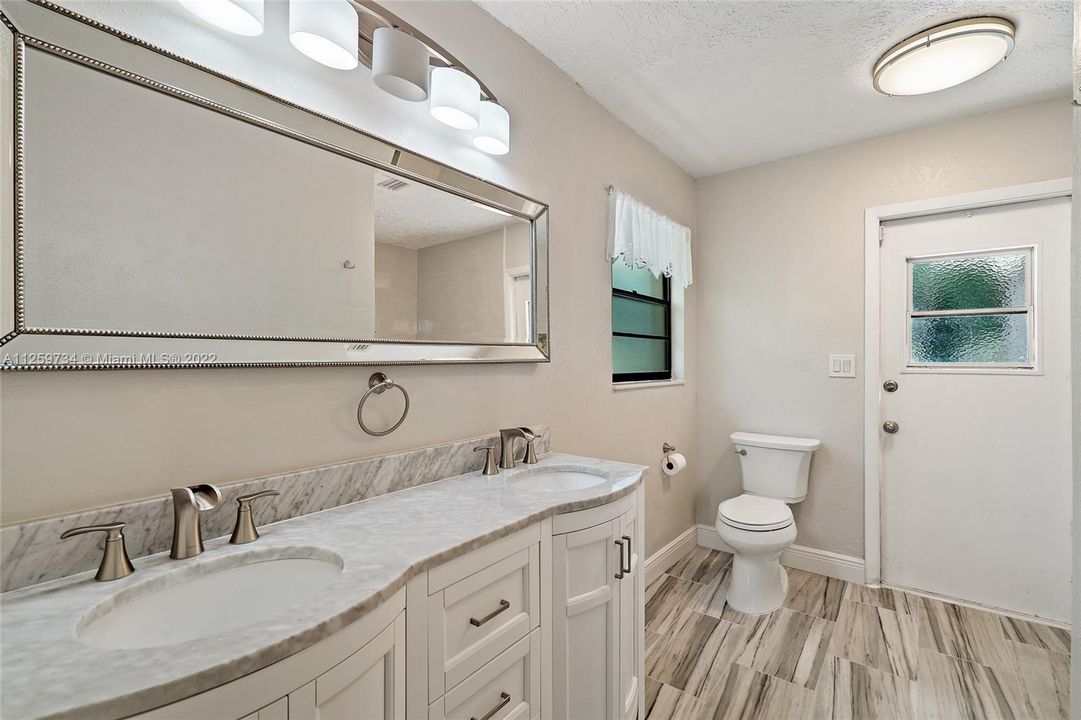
[741, 451]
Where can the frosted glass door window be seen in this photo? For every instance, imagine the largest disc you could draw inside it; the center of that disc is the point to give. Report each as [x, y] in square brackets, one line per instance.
[971, 310]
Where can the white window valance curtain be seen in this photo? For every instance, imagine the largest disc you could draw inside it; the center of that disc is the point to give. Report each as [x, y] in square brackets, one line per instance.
[640, 236]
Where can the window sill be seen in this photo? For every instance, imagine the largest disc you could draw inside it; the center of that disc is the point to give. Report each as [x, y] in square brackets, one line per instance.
[646, 384]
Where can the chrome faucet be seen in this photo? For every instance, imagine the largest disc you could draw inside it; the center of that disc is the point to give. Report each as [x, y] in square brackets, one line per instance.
[507, 437]
[188, 504]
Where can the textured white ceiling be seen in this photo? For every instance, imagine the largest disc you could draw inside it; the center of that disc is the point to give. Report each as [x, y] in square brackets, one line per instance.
[721, 85]
[417, 216]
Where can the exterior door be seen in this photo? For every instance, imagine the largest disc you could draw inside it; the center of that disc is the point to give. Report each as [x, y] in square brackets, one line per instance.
[976, 491]
[585, 618]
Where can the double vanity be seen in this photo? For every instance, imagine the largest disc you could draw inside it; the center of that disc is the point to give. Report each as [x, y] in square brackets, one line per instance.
[453, 599]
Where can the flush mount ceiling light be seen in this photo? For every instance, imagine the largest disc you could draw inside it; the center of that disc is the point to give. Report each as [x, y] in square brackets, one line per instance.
[400, 64]
[455, 98]
[493, 135]
[944, 56]
[325, 31]
[243, 17]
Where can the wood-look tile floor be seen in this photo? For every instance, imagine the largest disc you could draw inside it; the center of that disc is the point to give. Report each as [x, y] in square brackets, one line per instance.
[838, 650]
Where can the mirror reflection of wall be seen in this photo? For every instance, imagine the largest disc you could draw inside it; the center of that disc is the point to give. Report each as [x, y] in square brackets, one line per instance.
[127, 231]
[447, 269]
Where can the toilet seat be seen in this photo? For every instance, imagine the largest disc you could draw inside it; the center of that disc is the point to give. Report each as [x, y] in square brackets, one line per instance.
[755, 513]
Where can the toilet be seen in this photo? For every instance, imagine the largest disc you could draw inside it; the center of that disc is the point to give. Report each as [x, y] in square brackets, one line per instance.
[758, 524]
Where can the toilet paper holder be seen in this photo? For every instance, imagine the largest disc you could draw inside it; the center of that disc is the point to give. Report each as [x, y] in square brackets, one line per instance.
[668, 447]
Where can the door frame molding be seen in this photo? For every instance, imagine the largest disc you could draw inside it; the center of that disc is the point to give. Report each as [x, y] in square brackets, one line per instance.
[872, 411]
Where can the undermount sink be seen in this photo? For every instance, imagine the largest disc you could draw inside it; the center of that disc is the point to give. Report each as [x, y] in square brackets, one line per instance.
[183, 606]
[557, 479]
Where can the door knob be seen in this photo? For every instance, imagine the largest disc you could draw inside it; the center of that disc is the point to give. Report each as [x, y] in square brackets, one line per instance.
[891, 427]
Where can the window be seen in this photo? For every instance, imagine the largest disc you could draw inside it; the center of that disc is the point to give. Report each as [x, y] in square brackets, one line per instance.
[971, 310]
[641, 325]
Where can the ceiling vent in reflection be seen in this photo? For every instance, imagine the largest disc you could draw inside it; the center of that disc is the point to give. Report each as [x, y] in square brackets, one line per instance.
[393, 184]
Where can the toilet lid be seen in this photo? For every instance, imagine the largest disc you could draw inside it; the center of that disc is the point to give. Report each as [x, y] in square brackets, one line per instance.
[752, 512]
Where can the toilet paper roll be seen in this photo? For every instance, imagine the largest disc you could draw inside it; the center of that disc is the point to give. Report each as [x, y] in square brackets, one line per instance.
[673, 464]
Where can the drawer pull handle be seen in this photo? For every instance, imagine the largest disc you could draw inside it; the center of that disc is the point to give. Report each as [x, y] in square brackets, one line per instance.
[504, 698]
[629, 552]
[619, 572]
[503, 605]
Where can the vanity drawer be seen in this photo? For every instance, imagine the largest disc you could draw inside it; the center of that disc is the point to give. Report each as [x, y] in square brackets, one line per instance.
[507, 688]
[475, 618]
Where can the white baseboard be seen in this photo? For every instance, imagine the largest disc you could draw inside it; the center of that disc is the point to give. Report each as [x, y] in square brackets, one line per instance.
[667, 556]
[822, 562]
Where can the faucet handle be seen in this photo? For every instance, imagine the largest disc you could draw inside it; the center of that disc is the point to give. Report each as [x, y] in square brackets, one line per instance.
[115, 563]
[530, 457]
[489, 459]
[244, 531]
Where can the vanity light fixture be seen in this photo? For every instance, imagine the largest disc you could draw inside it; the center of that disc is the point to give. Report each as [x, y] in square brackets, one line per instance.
[493, 135]
[400, 64]
[242, 17]
[944, 56]
[326, 31]
[455, 98]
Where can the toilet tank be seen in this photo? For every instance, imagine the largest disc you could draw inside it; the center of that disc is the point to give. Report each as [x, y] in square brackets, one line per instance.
[775, 466]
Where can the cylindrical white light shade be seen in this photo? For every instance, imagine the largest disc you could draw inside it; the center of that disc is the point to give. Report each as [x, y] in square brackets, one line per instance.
[944, 56]
[493, 135]
[455, 98]
[325, 31]
[243, 17]
[400, 64]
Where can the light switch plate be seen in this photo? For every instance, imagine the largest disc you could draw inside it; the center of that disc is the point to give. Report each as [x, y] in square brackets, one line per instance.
[842, 366]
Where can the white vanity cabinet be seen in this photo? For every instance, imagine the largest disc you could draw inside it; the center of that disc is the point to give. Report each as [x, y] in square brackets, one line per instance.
[597, 609]
[543, 624]
[370, 683]
[357, 673]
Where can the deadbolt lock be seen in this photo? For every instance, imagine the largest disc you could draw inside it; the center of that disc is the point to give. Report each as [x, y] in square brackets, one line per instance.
[890, 386]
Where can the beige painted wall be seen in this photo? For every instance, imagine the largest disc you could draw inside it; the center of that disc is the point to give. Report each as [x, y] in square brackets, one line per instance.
[395, 291]
[781, 247]
[76, 440]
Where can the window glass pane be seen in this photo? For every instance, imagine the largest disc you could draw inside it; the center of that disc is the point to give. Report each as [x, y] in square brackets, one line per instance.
[637, 316]
[639, 280]
[970, 339]
[638, 355]
[969, 283]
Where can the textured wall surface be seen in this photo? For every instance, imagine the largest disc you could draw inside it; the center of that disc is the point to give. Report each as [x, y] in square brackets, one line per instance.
[782, 248]
[722, 85]
[72, 441]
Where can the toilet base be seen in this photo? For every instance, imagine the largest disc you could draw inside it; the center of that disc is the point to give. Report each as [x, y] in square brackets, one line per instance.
[756, 586]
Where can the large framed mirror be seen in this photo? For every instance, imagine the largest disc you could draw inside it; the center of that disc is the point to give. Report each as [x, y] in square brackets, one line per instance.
[161, 215]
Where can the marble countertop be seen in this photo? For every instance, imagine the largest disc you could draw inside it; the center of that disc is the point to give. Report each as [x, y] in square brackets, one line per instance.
[47, 671]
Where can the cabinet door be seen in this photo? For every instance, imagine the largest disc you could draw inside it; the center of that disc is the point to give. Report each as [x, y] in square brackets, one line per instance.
[368, 685]
[631, 622]
[585, 621]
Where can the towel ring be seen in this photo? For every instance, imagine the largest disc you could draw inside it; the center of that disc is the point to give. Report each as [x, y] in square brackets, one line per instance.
[379, 383]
